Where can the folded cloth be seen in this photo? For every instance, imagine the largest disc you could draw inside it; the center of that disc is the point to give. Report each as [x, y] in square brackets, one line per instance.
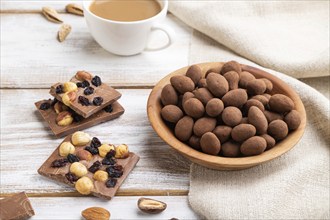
[288, 36]
[293, 186]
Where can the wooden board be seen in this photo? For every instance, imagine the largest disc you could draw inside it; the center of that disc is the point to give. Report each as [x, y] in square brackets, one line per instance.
[26, 142]
[44, 61]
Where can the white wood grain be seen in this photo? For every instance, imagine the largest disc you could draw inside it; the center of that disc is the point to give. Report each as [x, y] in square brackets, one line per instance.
[19, 6]
[26, 142]
[120, 207]
[31, 56]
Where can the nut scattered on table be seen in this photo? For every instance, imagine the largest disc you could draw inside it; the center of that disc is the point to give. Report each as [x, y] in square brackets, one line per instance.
[63, 32]
[151, 206]
[51, 14]
[96, 213]
[74, 9]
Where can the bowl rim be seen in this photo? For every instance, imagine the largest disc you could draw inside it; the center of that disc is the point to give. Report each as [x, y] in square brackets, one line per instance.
[212, 161]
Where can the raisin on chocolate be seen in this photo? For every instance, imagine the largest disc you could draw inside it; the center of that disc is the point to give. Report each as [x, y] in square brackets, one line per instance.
[95, 142]
[71, 177]
[96, 81]
[95, 167]
[110, 183]
[83, 101]
[44, 106]
[59, 163]
[72, 158]
[92, 150]
[89, 91]
[108, 109]
[97, 101]
[59, 89]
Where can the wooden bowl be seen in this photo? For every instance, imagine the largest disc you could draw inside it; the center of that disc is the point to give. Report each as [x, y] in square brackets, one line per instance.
[216, 162]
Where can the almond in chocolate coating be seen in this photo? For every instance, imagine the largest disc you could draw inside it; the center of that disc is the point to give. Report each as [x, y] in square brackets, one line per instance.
[184, 127]
[257, 118]
[194, 142]
[217, 84]
[280, 103]
[214, 107]
[231, 66]
[278, 129]
[256, 87]
[245, 77]
[292, 119]
[233, 78]
[254, 102]
[194, 108]
[222, 132]
[230, 149]
[253, 146]
[231, 116]
[202, 83]
[236, 97]
[261, 98]
[204, 125]
[271, 116]
[270, 141]
[203, 94]
[171, 113]
[187, 96]
[242, 132]
[169, 95]
[210, 143]
[182, 83]
[194, 72]
[269, 84]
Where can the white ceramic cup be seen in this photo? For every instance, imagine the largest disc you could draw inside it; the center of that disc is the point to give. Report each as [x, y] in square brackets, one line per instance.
[127, 38]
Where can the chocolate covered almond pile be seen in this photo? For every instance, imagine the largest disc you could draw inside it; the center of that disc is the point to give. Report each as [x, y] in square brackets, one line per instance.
[80, 103]
[229, 112]
[90, 165]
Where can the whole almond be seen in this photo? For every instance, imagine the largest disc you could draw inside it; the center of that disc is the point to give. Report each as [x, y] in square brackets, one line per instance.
[75, 9]
[96, 213]
[151, 206]
[83, 75]
[51, 14]
[64, 31]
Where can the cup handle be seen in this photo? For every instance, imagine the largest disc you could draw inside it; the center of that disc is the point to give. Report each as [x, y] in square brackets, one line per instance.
[169, 33]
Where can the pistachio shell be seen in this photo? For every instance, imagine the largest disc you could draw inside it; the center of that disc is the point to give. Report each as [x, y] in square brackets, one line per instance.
[51, 14]
[75, 9]
[64, 31]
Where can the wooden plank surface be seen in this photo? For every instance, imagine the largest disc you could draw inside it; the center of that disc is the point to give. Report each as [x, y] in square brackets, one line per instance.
[21, 6]
[26, 142]
[120, 208]
[31, 56]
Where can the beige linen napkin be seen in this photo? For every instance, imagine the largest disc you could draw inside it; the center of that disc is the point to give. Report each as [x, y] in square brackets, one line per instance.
[293, 186]
[288, 36]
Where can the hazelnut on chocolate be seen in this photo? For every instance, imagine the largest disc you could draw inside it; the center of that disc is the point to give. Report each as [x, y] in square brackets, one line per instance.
[210, 143]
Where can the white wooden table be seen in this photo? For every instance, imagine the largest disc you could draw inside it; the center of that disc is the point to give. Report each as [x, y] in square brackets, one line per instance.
[31, 60]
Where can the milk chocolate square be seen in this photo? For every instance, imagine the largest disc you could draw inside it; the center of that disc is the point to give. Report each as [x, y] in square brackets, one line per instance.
[107, 93]
[100, 189]
[49, 115]
[16, 207]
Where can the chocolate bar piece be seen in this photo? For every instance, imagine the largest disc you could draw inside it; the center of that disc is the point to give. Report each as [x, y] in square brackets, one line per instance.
[61, 173]
[50, 116]
[16, 207]
[108, 95]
